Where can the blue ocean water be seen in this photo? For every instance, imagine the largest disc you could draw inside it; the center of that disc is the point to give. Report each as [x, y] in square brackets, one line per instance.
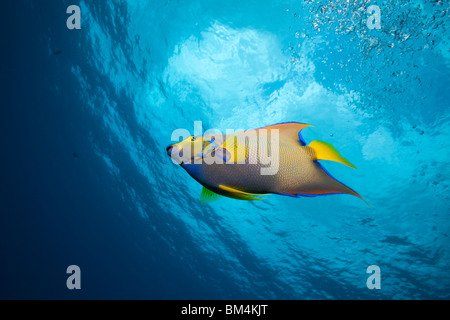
[86, 116]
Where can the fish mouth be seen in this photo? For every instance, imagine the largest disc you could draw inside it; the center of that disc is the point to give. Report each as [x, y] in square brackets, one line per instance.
[177, 155]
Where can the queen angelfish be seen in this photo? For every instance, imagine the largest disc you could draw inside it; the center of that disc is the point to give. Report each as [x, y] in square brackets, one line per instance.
[269, 160]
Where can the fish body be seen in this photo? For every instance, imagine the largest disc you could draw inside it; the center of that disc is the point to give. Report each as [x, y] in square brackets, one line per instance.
[269, 160]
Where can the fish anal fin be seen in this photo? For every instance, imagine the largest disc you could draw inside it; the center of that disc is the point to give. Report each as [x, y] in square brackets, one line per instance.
[208, 196]
[320, 193]
[241, 195]
[325, 151]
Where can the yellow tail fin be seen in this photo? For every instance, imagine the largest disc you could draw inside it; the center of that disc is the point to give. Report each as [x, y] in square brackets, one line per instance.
[325, 151]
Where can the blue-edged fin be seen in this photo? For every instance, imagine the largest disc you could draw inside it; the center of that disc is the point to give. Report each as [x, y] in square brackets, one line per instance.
[237, 194]
[290, 130]
[208, 196]
[325, 151]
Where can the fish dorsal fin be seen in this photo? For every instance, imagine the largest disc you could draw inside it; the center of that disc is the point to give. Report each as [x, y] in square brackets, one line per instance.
[208, 196]
[325, 151]
[290, 130]
[241, 195]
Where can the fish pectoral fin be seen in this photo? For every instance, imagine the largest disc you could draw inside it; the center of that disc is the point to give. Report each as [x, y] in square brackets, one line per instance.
[208, 196]
[325, 151]
[241, 195]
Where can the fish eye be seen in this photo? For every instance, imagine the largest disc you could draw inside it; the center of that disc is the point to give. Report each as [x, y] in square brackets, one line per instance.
[193, 139]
